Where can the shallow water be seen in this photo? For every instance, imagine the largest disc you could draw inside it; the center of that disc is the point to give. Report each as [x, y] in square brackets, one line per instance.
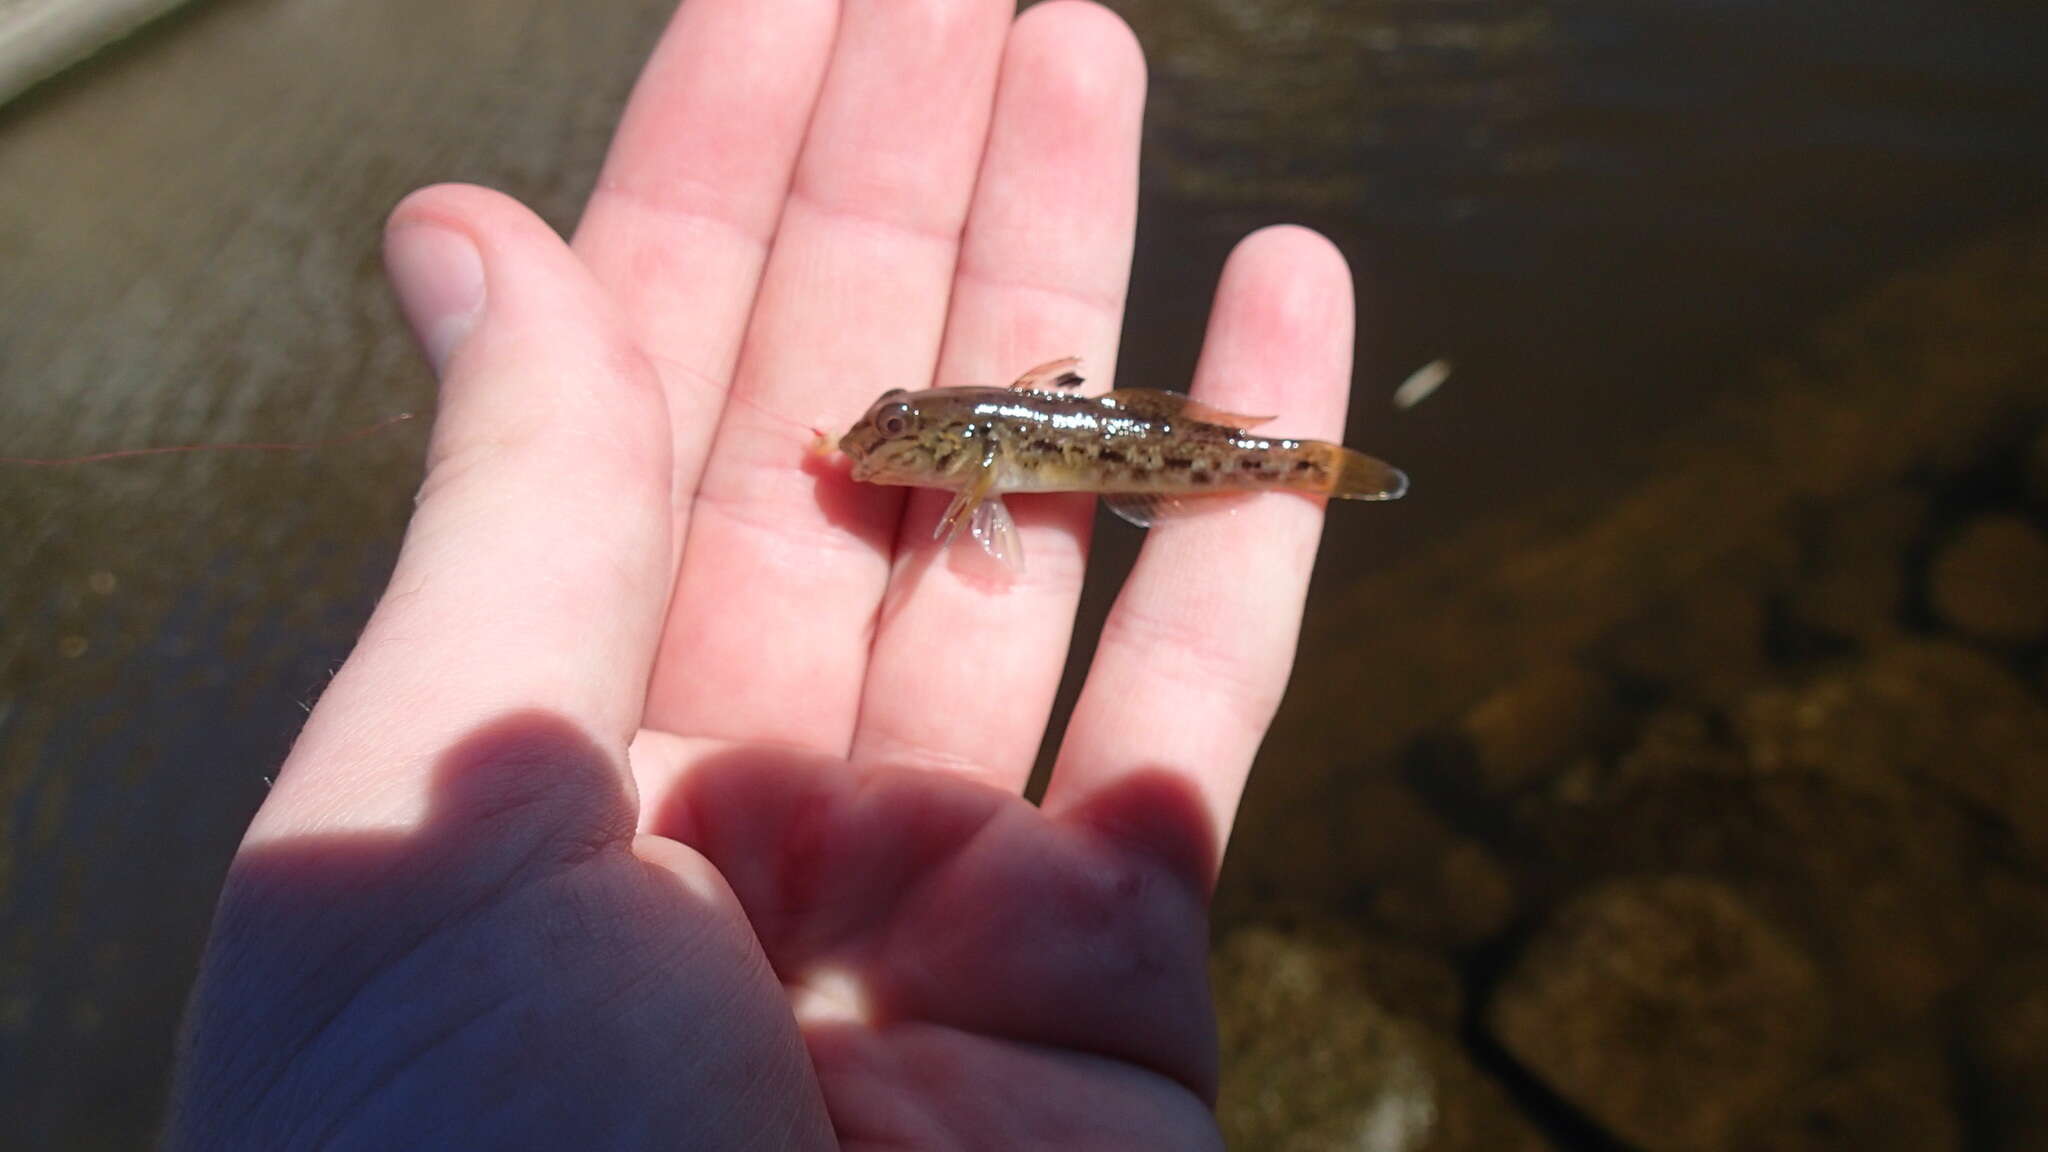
[1607, 215]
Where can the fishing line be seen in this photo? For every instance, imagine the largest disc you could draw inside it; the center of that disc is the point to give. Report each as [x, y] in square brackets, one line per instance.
[246, 446]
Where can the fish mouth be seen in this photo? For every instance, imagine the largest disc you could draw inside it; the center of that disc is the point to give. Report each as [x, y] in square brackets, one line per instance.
[856, 447]
[867, 463]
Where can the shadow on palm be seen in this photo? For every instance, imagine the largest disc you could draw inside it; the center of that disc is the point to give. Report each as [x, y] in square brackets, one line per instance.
[885, 897]
[926, 934]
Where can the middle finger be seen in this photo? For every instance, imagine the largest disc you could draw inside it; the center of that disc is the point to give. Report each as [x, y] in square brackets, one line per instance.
[784, 565]
[964, 668]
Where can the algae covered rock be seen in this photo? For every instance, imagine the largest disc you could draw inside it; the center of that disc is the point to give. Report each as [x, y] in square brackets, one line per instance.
[1664, 1008]
[1526, 728]
[1937, 714]
[1313, 1061]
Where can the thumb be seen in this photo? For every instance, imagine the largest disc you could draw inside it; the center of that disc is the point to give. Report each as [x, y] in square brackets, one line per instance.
[535, 571]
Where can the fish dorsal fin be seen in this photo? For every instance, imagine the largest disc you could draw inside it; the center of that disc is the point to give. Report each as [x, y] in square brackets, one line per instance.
[1153, 404]
[1148, 508]
[1062, 373]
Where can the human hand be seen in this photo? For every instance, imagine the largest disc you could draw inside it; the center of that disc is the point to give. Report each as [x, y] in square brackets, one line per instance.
[671, 796]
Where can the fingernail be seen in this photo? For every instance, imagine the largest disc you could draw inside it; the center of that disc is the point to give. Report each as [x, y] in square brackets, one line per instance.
[439, 276]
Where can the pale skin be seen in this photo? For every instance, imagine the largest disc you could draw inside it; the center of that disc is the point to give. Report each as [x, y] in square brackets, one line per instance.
[671, 797]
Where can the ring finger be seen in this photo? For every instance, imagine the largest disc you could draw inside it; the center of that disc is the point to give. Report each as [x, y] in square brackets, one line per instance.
[1197, 650]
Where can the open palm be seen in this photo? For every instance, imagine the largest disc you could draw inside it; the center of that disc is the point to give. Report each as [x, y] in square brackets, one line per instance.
[671, 797]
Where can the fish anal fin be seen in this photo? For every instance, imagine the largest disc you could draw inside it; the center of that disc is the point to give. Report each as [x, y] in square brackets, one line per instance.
[1148, 508]
[1061, 373]
[1155, 404]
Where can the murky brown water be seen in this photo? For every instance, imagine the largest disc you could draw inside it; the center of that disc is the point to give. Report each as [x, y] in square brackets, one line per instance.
[1610, 216]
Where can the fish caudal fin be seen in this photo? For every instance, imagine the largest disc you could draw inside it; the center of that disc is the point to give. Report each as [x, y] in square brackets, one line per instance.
[1361, 477]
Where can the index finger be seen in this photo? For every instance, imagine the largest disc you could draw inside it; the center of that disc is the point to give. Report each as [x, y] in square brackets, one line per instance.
[677, 229]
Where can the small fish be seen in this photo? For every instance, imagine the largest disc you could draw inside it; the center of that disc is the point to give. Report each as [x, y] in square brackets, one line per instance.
[1149, 454]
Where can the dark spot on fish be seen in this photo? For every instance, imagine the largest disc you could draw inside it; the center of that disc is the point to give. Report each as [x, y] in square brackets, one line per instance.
[1177, 462]
[1110, 456]
[1303, 465]
[1044, 446]
[1248, 463]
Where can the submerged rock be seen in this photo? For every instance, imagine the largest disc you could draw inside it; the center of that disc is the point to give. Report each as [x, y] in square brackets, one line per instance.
[1531, 725]
[1990, 581]
[1312, 1061]
[1664, 1008]
[1935, 714]
[1867, 809]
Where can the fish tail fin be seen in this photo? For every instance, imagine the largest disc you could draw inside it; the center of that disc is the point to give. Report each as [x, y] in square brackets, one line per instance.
[1361, 477]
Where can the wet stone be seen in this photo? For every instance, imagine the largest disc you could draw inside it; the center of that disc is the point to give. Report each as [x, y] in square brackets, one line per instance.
[1990, 581]
[1535, 723]
[1409, 981]
[1312, 1061]
[1937, 714]
[1665, 1009]
[1833, 804]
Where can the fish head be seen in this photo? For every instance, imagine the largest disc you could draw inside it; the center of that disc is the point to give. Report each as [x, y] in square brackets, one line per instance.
[889, 445]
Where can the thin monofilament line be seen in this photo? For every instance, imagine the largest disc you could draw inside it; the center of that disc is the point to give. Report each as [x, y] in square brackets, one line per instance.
[171, 449]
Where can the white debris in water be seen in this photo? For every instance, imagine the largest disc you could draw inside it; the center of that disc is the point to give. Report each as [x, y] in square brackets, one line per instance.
[1420, 383]
[1402, 1117]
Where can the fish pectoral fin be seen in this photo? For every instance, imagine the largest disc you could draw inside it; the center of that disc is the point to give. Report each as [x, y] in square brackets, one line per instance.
[1148, 508]
[971, 496]
[1153, 404]
[1060, 373]
[955, 518]
[979, 507]
[992, 526]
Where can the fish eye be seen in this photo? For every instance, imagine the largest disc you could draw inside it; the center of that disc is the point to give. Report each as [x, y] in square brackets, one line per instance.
[893, 419]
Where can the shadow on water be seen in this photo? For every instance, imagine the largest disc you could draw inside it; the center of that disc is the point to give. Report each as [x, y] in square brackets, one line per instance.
[1688, 256]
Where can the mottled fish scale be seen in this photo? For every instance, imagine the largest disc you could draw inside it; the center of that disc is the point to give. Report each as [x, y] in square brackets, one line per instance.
[1137, 455]
[1149, 453]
